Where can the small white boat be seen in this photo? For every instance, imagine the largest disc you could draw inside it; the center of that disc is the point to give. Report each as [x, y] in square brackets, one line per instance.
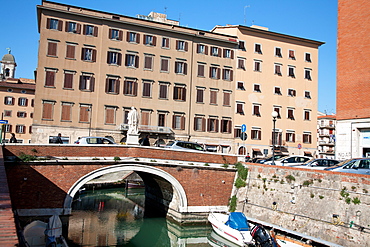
[233, 227]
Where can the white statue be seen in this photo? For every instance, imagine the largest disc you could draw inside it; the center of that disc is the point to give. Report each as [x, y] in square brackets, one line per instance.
[133, 120]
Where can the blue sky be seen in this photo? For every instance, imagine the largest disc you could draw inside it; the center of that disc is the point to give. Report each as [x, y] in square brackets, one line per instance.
[311, 19]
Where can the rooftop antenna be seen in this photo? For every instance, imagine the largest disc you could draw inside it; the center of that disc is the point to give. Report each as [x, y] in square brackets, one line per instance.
[165, 10]
[248, 6]
[179, 18]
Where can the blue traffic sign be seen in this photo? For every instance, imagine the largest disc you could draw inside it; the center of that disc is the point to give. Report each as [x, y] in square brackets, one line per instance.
[3, 121]
[244, 128]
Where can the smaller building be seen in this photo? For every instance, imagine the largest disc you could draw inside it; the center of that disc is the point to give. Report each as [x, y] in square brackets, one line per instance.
[326, 136]
[17, 104]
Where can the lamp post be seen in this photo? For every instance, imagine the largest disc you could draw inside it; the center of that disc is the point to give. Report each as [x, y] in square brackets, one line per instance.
[274, 115]
[90, 113]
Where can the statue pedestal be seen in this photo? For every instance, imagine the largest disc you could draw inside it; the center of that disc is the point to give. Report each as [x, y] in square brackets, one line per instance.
[132, 139]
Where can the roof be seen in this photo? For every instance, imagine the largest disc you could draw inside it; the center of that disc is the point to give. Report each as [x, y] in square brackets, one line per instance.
[21, 83]
[8, 58]
[327, 116]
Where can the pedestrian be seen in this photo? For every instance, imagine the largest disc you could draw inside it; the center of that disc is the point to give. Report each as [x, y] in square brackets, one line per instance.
[146, 141]
[58, 139]
[13, 139]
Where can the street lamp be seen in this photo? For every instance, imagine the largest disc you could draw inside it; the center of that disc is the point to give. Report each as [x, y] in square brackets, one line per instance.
[90, 113]
[274, 115]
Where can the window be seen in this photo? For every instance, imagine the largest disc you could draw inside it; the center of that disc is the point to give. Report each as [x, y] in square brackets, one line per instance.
[8, 128]
[307, 115]
[148, 62]
[20, 129]
[7, 113]
[114, 58]
[52, 48]
[201, 69]
[202, 49]
[242, 45]
[214, 72]
[66, 112]
[54, 24]
[307, 94]
[291, 92]
[21, 114]
[277, 91]
[133, 37]
[179, 92]
[161, 119]
[112, 85]
[291, 113]
[88, 55]
[116, 34]
[130, 87]
[257, 65]
[278, 69]
[47, 109]
[307, 74]
[33, 102]
[227, 95]
[241, 63]
[50, 77]
[70, 51]
[199, 123]
[150, 40]
[87, 82]
[212, 124]
[181, 45]
[256, 134]
[237, 132]
[164, 64]
[277, 109]
[256, 110]
[200, 95]
[307, 138]
[227, 74]
[240, 108]
[278, 52]
[147, 88]
[126, 111]
[132, 61]
[290, 136]
[110, 115]
[226, 125]
[215, 51]
[91, 30]
[291, 71]
[165, 42]
[257, 88]
[73, 27]
[291, 54]
[163, 90]
[240, 85]
[85, 113]
[178, 121]
[68, 79]
[276, 137]
[22, 102]
[307, 57]
[228, 53]
[258, 48]
[213, 96]
[181, 67]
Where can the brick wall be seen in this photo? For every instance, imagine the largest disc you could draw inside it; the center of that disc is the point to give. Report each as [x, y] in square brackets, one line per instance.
[353, 74]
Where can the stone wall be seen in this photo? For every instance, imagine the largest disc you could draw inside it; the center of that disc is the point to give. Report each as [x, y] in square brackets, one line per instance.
[328, 205]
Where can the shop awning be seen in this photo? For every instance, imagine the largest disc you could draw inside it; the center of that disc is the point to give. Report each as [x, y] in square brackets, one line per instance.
[307, 153]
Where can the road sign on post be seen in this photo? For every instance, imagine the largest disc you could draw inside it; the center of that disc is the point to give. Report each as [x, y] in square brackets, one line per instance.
[3, 121]
[299, 146]
[244, 128]
[244, 136]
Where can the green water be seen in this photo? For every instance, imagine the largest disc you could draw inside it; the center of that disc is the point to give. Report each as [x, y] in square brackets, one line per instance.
[115, 217]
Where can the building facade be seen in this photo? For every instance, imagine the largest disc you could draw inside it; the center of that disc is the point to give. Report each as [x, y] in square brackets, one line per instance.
[17, 96]
[326, 136]
[275, 72]
[353, 79]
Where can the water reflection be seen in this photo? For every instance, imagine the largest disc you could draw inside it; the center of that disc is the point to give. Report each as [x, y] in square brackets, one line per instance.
[115, 217]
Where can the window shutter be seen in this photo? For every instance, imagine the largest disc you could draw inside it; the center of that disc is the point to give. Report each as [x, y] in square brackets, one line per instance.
[70, 51]
[219, 52]
[185, 68]
[231, 75]
[229, 123]
[107, 85]
[218, 73]
[66, 27]
[176, 67]
[92, 84]
[18, 114]
[109, 115]
[126, 59]
[119, 59]
[108, 57]
[46, 112]
[48, 23]
[66, 111]
[83, 53]
[78, 29]
[138, 38]
[183, 94]
[95, 32]
[128, 36]
[32, 102]
[210, 72]
[120, 35]
[136, 61]
[195, 123]
[173, 121]
[94, 55]
[30, 129]
[177, 44]
[135, 87]
[232, 54]
[206, 49]
[186, 46]
[60, 25]
[154, 40]
[85, 29]
[144, 39]
[116, 90]
[203, 124]
[208, 124]
[52, 49]
[198, 48]
[182, 122]
[216, 124]
[68, 79]
[223, 74]
[224, 53]
[110, 34]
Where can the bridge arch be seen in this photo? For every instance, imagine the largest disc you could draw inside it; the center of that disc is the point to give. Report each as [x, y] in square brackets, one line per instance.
[178, 188]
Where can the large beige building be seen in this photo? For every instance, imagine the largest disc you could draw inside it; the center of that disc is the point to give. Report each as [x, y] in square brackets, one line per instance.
[186, 83]
[275, 72]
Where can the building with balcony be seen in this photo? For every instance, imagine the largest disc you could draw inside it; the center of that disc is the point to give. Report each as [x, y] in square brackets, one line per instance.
[17, 96]
[326, 136]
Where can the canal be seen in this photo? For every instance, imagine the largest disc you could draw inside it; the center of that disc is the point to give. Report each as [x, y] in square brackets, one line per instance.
[115, 217]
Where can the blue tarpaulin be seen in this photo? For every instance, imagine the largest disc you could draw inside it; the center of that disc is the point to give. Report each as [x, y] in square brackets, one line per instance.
[238, 221]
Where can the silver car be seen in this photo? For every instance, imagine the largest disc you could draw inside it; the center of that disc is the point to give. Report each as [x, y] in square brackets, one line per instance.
[289, 161]
[319, 164]
[94, 140]
[356, 165]
[184, 145]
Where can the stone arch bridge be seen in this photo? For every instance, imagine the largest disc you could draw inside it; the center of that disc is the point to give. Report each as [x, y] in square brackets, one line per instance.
[181, 185]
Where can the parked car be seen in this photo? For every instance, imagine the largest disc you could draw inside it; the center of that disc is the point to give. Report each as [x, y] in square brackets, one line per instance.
[276, 157]
[356, 165]
[318, 164]
[289, 161]
[184, 145]
[94, 140]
